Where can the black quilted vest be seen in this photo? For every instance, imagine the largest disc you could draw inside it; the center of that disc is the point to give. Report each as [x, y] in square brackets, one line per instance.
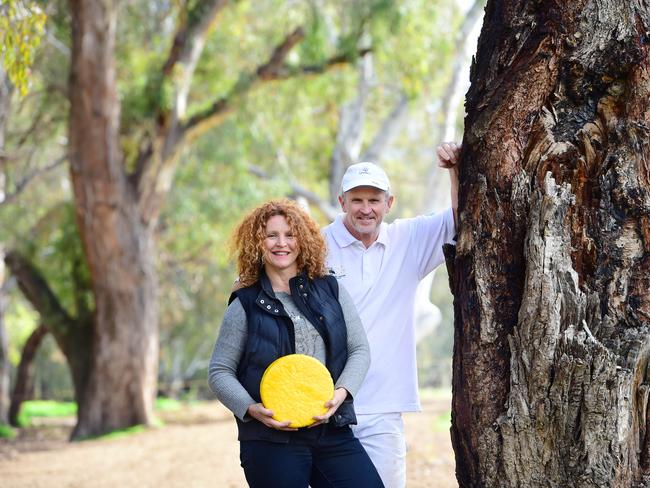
[271, 335]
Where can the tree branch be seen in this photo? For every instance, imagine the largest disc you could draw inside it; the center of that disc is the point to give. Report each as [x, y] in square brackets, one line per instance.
[157, 158]
[329, 210]
[273, 70]
[24, 382]
[177, 71]
[33, 285]
[197, 24]
[22, 184]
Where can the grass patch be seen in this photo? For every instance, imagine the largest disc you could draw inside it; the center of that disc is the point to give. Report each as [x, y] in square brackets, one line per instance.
[44, 408]
[127, 431]
[116, 434]
[168, 404]
[7, 431]
[51, 408]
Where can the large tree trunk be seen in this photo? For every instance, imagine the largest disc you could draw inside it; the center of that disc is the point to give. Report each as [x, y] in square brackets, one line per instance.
[118, 245]
[551, 276]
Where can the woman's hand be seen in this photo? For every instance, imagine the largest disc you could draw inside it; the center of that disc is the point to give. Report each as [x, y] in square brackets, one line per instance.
[340, 394]
[264, 415]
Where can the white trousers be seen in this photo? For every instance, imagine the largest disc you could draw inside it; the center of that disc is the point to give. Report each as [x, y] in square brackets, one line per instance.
[382, 436]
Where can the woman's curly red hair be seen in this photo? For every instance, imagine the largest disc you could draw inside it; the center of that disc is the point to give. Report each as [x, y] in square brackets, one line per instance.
[249, 237]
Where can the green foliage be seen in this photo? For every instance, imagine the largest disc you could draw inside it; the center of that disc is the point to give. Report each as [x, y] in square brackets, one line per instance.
[119, 433]
[44, 408]
[378, 18]
[7, 431]
[168, 405]
[416, 46]
[21, 27]
[313, 49]
[21, 319]
[55, 249]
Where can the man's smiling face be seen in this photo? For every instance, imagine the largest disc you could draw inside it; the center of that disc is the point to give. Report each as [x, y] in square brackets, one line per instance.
[365, 208]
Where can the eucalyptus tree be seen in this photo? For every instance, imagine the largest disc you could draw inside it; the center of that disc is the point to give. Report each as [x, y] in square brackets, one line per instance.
[551, 282]
[131, 114]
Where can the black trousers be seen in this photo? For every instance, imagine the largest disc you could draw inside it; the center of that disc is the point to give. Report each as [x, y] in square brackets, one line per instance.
[322, 457]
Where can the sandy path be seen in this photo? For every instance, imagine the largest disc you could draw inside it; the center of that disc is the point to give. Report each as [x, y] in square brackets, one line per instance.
[196, 448]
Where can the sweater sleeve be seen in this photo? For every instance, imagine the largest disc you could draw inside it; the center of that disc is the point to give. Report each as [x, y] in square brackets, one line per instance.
[358, 361]
[228, 349]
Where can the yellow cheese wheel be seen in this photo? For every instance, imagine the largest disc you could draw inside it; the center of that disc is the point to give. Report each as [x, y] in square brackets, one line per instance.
[296, 388]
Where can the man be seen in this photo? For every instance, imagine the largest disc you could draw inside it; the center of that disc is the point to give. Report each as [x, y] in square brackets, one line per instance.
[381, 265]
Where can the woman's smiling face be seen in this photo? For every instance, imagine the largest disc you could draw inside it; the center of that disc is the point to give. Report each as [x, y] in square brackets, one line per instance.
[281, 247]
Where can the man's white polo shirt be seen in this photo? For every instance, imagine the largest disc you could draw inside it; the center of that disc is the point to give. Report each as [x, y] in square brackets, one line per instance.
[382, 280]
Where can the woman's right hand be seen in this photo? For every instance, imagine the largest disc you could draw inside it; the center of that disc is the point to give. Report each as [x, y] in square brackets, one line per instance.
[264, 415]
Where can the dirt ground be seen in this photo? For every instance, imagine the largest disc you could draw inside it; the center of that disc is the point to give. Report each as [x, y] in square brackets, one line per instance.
[196, 448]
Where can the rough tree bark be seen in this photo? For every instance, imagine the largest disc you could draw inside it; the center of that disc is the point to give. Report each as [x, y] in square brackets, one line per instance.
[551, 274]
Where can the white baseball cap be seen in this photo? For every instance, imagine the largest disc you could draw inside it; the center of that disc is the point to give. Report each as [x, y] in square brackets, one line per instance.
[364, 174]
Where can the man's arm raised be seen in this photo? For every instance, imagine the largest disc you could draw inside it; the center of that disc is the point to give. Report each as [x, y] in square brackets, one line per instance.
[448, 158]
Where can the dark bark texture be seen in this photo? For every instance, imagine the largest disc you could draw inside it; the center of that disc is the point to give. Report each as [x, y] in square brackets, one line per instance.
[552, 269]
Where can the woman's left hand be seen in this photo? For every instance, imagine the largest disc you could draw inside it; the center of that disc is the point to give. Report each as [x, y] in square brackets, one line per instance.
[340, 394]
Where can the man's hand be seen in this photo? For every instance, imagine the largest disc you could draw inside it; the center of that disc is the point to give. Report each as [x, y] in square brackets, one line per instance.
[340, 394]
[448, 155]
[264, 415]
[448, 158]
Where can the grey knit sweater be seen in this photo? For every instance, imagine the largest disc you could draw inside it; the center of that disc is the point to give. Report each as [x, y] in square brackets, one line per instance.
[222, 372]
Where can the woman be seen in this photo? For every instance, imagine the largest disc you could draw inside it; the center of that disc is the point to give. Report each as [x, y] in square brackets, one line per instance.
[286, 304]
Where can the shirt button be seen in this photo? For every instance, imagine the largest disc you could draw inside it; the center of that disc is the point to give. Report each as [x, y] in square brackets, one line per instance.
[269, 307]
[276, 310]
[261, 301]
